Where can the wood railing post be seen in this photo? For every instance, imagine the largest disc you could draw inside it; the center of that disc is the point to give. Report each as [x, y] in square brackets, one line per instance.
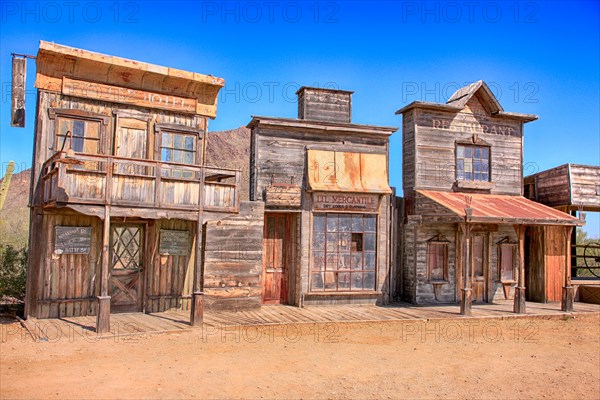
[103, 315]
[568, 294]
[519, 303]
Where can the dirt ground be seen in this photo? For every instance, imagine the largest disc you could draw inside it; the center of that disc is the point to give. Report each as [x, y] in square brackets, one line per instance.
[486, 358]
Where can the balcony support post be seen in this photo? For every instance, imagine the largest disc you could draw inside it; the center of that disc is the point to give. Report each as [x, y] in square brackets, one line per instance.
[103, 314]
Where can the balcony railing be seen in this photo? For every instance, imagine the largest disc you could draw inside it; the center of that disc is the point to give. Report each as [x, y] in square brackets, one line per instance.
[99, 179]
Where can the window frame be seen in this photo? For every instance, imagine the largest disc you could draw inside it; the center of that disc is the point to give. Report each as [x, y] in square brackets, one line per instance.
[473, 146]
[55, 114]
[324, 253]
[446, 261]
[199, 141]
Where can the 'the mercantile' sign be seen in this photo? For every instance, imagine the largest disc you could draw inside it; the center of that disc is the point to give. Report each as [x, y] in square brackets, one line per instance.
[345, 202]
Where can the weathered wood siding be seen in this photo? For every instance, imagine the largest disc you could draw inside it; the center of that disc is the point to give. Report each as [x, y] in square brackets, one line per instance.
[315, 104]
[585, 186]
[45, 145]
[429, 143]
[551, 187]
[68, 282]
[545, 263]
[280, 155]
[169, 278]
[233, 259]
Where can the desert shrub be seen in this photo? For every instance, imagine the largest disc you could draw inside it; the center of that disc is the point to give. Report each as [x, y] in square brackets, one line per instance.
[13, 272]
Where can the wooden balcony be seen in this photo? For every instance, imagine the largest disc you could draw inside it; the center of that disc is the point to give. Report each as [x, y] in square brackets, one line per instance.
[99, 180]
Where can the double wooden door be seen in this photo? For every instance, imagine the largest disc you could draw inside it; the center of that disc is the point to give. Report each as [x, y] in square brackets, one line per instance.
[127, 267]
[276, 258]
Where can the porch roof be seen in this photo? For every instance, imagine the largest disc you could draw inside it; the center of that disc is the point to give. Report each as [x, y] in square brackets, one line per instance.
[500, 209]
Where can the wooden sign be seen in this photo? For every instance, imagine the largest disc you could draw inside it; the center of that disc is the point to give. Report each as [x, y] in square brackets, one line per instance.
[72, 239]
[117, 94]
[365, 202]
[174, 242]
[19, 69]
[283, 196]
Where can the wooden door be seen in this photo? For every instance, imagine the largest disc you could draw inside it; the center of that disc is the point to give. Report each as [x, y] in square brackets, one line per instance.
[276, 242]
[126, 273]
[131, 141]
[479, 272]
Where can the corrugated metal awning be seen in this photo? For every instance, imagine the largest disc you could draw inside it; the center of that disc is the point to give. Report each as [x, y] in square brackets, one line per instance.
[498, 209]
[336, 171]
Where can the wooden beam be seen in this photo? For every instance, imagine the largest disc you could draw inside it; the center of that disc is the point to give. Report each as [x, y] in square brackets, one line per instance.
[103, 316]
[519, 304]
[568, 293]
[197, 308]
[466, 298]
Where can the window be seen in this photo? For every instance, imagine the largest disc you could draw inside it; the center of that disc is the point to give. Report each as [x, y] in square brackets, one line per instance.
[343, 252]
[80, 135]
[437, 261]
[178, 148]
[181, 148]
[507, 261]
[472, 163]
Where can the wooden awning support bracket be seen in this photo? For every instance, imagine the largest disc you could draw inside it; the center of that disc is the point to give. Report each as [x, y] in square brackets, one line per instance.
[568, 293]
[519, 304]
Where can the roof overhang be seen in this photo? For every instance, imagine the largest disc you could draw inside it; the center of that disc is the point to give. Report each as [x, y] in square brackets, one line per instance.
[56, 62]
[322, 126]
[497, 209]
[452, 108]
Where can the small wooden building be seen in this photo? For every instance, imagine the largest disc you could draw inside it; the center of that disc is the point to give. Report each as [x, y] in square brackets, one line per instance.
[574, 189]
[125, 215]
[328, 203]
[464, 211]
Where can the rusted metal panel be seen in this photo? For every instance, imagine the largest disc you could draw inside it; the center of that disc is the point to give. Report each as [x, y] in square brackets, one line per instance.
[335, 171]
[500, 208]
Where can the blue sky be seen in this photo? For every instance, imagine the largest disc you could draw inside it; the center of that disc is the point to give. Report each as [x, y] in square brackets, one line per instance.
[539, 57]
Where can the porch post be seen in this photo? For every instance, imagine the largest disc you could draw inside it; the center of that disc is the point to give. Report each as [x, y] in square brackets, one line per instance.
[519, 304]
[103, 314]
[197, 309]
[568, 294]
[466, 298]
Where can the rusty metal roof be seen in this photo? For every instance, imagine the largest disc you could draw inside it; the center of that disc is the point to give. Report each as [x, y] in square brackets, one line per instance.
[336, 171]
[494, 208]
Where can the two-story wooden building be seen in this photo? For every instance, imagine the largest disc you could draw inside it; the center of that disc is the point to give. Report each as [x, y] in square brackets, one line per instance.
[328, 208]
[121, 199]
[464, 210]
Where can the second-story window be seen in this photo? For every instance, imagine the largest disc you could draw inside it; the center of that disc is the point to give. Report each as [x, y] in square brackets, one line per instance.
[80, 135]
[178, 148]
[472, 163]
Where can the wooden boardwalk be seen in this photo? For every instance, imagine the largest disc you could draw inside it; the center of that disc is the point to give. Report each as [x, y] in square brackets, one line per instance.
[123, 325]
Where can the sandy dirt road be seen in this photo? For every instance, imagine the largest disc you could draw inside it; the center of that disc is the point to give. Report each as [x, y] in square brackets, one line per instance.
[499, 359]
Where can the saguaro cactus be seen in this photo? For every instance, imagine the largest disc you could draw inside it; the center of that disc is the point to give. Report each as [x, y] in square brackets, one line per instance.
[6, 183]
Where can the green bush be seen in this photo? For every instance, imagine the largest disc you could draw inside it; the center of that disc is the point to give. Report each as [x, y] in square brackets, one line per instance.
[13, 272]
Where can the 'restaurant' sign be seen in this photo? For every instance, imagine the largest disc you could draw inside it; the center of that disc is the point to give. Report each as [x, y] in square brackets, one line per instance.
[117, 94]
[364, 202]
